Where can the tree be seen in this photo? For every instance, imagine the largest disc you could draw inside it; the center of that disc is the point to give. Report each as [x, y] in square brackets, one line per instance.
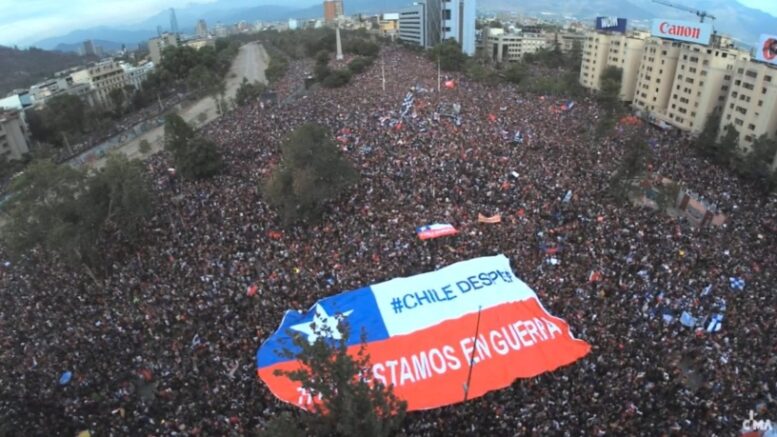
[194, 156]
[63, 210]
[634, 164]
[337, 78]
[359, 64]
[352, 402]
[248, 92]
[200, 79]
[610, 88]
[575, 56]
[449, 55]
[119, 195]
[705, 142]
[117, 98]
[516, 73]
[311, 173]
[725, 150]
[144, 147]
[759, 160]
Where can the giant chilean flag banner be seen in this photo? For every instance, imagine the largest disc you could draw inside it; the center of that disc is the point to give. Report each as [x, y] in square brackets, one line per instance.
[420, 334]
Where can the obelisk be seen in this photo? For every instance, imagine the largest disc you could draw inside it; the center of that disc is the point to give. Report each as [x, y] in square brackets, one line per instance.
[339, 56]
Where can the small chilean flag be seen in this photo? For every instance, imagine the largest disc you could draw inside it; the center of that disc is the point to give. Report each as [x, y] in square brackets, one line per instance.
[435, 230]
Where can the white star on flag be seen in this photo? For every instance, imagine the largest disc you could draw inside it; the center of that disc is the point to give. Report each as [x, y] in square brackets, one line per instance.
[325, 323]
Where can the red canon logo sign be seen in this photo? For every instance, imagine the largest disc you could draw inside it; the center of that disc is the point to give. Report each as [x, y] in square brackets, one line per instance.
[674, 30]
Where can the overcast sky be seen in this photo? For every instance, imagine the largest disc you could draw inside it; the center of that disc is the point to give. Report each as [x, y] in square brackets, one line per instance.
[24, 21]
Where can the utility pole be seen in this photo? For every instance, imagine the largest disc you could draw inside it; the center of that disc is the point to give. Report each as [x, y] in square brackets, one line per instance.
[472, 357]
[438, 73]
[383, 72]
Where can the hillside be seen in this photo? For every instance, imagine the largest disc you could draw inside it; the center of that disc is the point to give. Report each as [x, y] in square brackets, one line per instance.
[22, 68]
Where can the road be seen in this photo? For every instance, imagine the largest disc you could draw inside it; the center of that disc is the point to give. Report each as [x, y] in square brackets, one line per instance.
[250, 63]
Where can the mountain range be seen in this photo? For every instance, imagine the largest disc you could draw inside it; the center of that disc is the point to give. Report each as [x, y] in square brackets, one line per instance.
[733, 18]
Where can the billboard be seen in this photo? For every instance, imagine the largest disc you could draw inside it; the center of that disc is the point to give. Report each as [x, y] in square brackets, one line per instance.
[766, 50]
[690, 31]
[611, 24]
[423, 333]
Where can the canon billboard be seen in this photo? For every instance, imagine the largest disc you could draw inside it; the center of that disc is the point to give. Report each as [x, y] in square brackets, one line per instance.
[766, 50]
[690, 31]
[611, 24]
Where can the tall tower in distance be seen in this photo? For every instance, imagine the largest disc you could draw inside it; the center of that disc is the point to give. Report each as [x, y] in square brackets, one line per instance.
[173, 22]
[202, 29]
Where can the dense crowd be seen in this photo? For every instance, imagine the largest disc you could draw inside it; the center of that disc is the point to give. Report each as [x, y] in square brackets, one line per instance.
[165, 343]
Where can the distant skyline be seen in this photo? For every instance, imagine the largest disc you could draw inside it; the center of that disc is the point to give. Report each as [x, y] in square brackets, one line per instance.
[23, 22]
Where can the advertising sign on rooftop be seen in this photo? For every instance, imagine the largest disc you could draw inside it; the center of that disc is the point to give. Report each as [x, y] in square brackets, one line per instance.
[690, 31]
[611, 24]
[766, 50]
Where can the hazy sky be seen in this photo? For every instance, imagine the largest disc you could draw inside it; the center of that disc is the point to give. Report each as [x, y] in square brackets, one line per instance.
[25, 21]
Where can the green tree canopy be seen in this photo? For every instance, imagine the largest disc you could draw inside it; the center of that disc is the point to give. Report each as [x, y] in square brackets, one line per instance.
[64, 210]
[248, 92]
[311, 173]
[449, 54]
[352, 402]
[195, 157]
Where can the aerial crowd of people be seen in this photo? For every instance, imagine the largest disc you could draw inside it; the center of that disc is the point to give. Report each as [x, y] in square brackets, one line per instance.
[164, 344]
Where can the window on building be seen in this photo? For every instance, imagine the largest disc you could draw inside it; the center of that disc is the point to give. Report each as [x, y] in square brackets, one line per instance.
[751, 126]
[767, 78]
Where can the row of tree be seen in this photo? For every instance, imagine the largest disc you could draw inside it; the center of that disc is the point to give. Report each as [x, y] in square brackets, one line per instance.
[67, 120]
[753, 164]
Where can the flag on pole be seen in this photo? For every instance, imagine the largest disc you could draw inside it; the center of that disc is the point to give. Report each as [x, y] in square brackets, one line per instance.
[493, 219]
[435, 230]
[450, 84]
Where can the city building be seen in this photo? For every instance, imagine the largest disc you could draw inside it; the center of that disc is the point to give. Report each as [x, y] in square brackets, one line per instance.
[13, 140]
[293, 24]
[412, 25]
[502, 46]
[102, 78]
[568, 40]
[202, 29]
[135, 75]
[612, 49]
[333, 9]
[458, 22]
[428, 22]
[656, 75]
[702, 82]
[389, 25]
[173, 22]
[18, 101]
[751, 106]
[156, 46]
[88, 48]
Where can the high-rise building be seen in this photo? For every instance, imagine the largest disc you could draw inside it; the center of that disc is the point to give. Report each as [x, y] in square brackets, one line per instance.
[656, 73]
[612, 49]
[751, 106]
[333, 9]
[202, 29]
[157, 45]
[458, 22]
[102, 78]
[702, 82]
[412, 25]
[173, 22]
[443, 19]
[511, 47]
[13, 141]
[88, 49]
